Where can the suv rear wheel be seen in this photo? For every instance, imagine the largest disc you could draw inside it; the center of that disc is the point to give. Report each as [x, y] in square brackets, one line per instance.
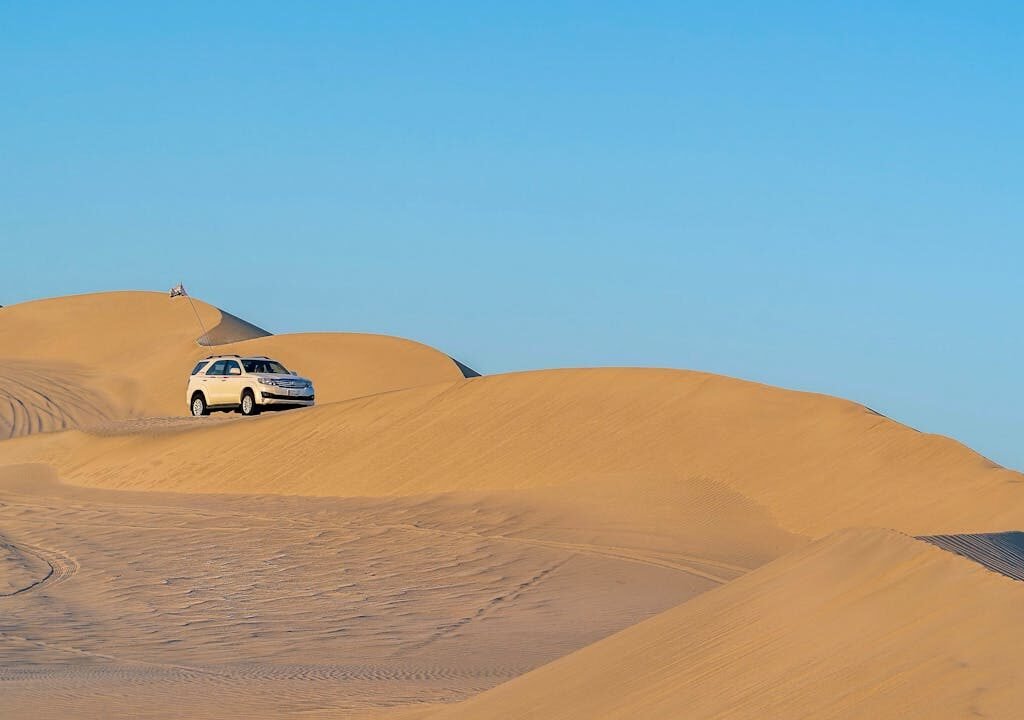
[249, 406]
[198, 406]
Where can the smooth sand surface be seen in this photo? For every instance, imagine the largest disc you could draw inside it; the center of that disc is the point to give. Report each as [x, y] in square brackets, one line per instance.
[565, 544]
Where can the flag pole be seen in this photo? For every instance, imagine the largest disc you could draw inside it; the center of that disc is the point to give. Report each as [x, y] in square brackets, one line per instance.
[200, 340]
[179, 291]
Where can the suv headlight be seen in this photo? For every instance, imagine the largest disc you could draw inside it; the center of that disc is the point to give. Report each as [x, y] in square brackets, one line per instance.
[268, 381]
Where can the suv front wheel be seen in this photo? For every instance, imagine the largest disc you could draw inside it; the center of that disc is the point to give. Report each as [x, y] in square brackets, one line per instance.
[249, 406]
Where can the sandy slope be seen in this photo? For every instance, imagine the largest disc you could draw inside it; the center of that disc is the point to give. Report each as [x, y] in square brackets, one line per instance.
[420, 538]
[136, 348]
[47, 396]
[863, 624]
[812, 463]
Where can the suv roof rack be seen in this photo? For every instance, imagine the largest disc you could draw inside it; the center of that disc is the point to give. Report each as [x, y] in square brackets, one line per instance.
[210, 357]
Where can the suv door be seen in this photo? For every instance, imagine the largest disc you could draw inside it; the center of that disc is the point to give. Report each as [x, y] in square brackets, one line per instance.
[231, 383]
[211, 383]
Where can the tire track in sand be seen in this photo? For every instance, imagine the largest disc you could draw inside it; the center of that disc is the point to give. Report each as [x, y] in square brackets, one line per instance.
[61, 566]
[609, 551]
[48, 397]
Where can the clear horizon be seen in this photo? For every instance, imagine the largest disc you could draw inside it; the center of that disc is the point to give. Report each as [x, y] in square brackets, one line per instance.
[822, 198]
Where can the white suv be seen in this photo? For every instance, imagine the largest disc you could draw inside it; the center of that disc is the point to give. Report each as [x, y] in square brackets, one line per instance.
[246, 384]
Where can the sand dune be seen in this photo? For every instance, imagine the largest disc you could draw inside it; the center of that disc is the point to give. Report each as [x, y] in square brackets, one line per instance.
[353, 365]
[115, 329]
[557, 544]
[863, 624]
[811, 463]
[137, 348]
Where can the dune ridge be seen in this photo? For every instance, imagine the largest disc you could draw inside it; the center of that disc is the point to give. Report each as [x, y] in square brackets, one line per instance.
[816, 464]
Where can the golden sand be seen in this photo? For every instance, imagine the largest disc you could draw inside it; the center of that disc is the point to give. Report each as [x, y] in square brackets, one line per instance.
[602, 543]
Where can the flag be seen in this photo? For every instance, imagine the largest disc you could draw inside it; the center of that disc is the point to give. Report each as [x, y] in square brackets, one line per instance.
[178, 291]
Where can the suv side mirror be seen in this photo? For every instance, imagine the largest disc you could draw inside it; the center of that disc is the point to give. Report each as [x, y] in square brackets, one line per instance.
[234, 371]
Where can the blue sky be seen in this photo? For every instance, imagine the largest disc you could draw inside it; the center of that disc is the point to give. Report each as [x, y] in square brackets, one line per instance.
[825, 196]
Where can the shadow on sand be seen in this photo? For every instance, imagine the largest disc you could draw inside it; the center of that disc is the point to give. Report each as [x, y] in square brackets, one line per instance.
[466, 370]
[1001, 552]
[231, 329]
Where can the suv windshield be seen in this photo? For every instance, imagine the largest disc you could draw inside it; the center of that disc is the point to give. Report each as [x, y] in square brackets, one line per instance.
[264, 366]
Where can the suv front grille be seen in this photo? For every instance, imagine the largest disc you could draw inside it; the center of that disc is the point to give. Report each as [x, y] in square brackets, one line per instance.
[292, 384]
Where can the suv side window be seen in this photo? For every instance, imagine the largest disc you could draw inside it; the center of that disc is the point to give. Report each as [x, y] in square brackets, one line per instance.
[217, 368]
[229, 365]
[199, 366]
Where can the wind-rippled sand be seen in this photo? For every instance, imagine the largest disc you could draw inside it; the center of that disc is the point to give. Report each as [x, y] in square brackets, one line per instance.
[259, 606]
